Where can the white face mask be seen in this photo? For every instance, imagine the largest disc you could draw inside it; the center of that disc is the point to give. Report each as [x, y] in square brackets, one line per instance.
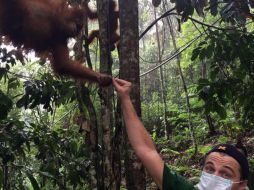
[212, 182]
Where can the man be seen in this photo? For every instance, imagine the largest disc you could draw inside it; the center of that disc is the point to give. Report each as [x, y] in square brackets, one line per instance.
[225, 167]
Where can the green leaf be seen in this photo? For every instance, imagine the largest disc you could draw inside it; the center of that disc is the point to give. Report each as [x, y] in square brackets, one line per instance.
[5, 105]
[33, 181]
[203, 82]
[195, 53]
[220, 110]
[214, 72]
[3, 72]
[202, 43]
[13, 83]
[209, 51]
[21, 102]
[202, 54]
[47, 174]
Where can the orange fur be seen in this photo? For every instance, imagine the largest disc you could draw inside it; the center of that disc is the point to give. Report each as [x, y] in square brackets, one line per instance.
[45, 26]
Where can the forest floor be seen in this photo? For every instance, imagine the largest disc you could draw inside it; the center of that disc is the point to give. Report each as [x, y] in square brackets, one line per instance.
[190, 166]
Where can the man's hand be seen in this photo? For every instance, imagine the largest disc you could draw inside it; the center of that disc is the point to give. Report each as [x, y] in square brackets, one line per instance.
[122, 87]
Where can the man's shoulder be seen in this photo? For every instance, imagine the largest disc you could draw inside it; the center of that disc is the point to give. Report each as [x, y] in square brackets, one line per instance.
[173, 181]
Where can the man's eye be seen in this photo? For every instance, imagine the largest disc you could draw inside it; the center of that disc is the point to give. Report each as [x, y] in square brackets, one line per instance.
[226, 175]
[209, 170]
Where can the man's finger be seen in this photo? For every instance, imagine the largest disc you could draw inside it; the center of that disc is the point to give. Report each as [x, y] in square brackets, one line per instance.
[120, 81]
[116, 84]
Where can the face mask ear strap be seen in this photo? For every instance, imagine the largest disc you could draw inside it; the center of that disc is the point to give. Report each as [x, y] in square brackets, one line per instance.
[243, 181]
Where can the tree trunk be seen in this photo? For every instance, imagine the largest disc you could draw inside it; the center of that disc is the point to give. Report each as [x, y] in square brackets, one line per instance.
[211, 126]
[117, 145]
[6, 185]
[106, 96]
[208, 117]
[85, 104]
[162, 83]
[190, 125]
[129, 70]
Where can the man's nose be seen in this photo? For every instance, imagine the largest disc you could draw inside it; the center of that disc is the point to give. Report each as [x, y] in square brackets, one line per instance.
[216, 173]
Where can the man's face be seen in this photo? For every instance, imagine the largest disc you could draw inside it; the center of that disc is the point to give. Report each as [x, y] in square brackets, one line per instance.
[225, 166]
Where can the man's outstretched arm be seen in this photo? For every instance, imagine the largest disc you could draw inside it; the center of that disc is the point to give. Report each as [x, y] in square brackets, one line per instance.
[138, 136]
